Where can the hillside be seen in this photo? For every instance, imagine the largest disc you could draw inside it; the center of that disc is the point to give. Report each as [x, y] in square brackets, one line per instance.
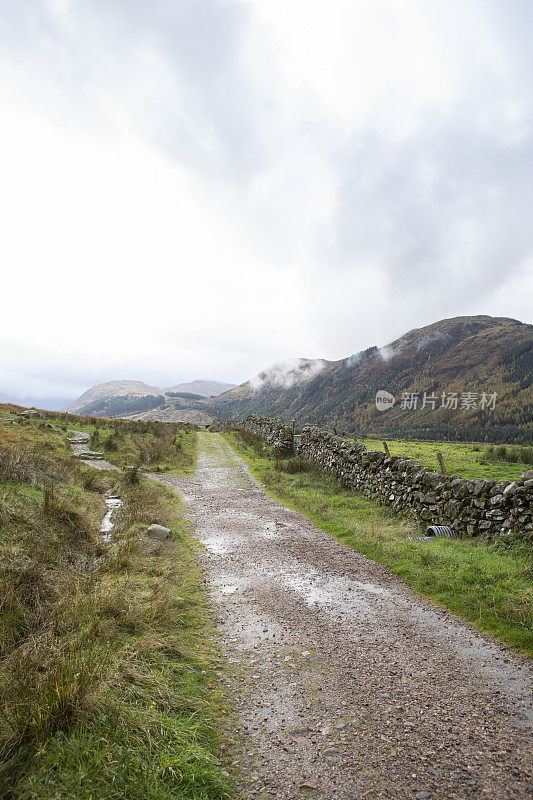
[139, 400]
[176, 409]
[103, 391]
[203, 388]
[101, 618]
[479, 355]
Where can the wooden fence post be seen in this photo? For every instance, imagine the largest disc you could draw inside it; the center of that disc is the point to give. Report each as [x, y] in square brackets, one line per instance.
[386, 448]
[441, 463]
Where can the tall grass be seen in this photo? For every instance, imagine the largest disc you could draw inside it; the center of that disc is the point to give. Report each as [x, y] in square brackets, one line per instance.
[31, 459]
[104, 651]
[48, 536]
[165, 450]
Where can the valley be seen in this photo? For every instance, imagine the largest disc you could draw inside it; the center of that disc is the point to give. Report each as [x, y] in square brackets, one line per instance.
[464, 379]
[266, 400]
[349, 654]
[284, 638]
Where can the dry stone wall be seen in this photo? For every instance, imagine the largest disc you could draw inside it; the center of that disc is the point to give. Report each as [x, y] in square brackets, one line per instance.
[472, 507]
[273, 432]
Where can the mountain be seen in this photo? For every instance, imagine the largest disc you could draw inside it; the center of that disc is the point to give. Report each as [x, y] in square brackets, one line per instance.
[138, 400]
[186, 408]
[477, 355]
[203, 388]
[91, 400]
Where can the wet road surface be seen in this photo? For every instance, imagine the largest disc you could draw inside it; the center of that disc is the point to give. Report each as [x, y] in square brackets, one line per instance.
[346, 683]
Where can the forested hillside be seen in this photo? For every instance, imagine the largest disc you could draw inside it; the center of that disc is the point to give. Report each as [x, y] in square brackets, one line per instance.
[467, 378]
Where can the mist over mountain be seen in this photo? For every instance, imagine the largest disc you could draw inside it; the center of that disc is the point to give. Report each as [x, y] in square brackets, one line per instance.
[460, 364]
[286, 374]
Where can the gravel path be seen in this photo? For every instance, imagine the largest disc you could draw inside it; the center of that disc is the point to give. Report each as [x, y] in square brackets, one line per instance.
[346, 683]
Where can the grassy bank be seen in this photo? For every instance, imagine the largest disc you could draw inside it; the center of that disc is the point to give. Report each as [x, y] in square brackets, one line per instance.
[490, 585]
[159, 447]
[105, 652]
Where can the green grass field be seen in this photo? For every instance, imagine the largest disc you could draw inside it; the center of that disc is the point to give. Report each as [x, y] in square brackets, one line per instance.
[460, 458]
[490, 585]
[107, 666]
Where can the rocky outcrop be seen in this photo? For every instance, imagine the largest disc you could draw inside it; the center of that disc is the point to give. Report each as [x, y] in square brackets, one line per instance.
[472, 507]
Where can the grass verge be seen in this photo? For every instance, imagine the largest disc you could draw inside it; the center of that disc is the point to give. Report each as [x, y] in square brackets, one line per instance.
[106, 661]
[491, 585]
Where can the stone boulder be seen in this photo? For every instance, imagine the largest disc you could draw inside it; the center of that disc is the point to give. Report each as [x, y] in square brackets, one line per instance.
[159, 532]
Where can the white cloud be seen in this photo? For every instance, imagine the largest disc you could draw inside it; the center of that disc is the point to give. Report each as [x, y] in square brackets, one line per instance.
[207, 187]
[289, 373]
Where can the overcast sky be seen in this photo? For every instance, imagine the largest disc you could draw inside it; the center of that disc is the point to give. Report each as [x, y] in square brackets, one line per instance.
[199, 188]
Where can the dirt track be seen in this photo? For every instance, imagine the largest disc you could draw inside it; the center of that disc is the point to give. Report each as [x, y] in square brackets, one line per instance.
[347, 684]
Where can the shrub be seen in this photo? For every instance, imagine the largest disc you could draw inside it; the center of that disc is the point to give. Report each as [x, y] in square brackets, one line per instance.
[94, 440]
[254, 441]
[511, 454]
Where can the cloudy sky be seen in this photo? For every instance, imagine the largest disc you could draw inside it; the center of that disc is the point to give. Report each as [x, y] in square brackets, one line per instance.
[199, 188]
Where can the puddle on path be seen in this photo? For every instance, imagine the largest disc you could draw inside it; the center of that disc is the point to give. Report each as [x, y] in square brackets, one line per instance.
[372, 588]
[328, 594]
[252, 629]
[215, 544]
[227, 584]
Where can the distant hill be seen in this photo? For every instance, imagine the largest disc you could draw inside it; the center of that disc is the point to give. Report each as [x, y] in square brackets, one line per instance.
[175, 408]
[97, 395]
[203, 388]
[132, 398]
[184, 395]
[474, 355]
[176, 412]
